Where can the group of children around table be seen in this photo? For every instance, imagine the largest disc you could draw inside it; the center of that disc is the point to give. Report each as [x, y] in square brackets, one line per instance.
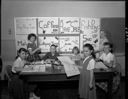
[87, 89]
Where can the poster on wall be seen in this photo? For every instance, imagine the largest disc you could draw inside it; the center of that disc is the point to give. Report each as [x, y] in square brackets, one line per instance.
[46, 42]
[90, 28]
[25, 25]
[68, 42]
[69, 25]
[48, 25]
[77, 32]
[21, 41]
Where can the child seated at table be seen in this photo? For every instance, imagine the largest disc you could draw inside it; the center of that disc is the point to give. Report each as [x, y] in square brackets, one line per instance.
[52, 55]
[17, 88]
[108, 59]
[34, 51]
[76, 56]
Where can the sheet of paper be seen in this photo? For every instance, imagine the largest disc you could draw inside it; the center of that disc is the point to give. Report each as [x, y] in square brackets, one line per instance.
[66, 59]
[100, 65]
[70, 69]
[34, 68]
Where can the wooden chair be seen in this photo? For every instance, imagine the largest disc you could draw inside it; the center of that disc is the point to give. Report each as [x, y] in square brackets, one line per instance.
[9, 75]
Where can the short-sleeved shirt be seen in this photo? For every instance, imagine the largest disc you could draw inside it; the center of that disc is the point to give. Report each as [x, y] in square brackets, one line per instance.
[50, 56]
[18, 63]
[107, 57]
[91, 64]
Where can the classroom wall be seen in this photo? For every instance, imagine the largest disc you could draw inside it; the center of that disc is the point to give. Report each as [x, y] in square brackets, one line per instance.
[13, 8]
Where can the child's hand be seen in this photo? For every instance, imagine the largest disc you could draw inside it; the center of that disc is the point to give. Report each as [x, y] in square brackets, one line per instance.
[90, 86]
[38, 48]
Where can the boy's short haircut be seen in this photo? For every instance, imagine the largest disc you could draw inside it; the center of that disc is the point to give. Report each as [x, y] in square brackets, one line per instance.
[53, 45]
[108, 43]
[31, 35]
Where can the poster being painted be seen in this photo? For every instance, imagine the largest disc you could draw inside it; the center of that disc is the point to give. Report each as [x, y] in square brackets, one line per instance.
[90, 32]
[48, 25]
[69, 25]
[46, 42]
[68, 42]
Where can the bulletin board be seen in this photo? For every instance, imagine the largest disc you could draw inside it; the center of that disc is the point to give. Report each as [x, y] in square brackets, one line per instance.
[65, 32]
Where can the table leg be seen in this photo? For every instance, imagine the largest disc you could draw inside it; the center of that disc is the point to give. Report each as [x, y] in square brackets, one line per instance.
[110, 88]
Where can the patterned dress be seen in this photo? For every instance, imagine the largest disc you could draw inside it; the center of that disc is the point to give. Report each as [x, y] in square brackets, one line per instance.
[84, 90]
[35, 56]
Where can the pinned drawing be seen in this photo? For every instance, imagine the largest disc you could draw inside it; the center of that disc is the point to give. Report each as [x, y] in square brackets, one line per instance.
[91, 32]
[69, 25]
[46, 42]
[48, 25]
[68, 42]
[25, 25]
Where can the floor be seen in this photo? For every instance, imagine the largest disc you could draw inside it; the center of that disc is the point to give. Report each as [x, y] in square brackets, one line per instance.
[100, 94]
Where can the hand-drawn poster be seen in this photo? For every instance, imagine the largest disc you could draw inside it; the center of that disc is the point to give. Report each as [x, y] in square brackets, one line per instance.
[25, 25]
[69, 25]
[68, 42]
[46, 42]
[21, 41]
[90, 32]
[48, 25]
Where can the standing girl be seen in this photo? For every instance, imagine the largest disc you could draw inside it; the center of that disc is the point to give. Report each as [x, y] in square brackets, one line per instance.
[87, 88]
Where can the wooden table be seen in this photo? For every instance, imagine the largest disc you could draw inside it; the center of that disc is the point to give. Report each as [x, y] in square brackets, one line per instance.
[59, 79]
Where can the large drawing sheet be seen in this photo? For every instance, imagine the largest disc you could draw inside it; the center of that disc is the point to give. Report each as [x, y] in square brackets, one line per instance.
[23, 27]
[46, 42]
[69, 25]
[71, 70]
[68, 42]
[69, 66]
[90, 28]
[48, 25]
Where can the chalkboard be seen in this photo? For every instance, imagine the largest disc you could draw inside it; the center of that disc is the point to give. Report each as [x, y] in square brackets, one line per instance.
[115, 30]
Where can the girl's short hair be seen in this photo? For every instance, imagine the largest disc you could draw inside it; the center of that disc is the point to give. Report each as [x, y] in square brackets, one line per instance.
[20, 50]
[31, 35]
[76, 48]
[90, 48]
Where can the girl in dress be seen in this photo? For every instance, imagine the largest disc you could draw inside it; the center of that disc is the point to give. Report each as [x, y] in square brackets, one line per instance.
[34, 51]
[87, 88]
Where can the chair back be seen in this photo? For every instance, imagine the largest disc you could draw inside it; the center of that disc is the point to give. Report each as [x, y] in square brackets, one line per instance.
[8, 72]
